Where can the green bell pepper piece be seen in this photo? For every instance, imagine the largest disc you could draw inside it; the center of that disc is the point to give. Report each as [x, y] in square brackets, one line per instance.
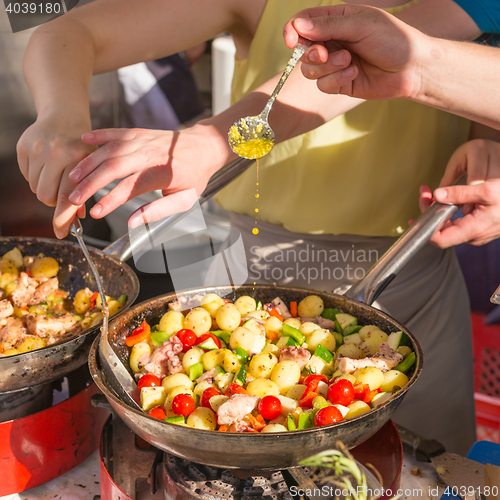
[290, 423]
[178, 419]
[241, 378]
[292, 342]
[295, 334]
[242, 355]
[223, 335]
[329, 313]
[324, 354]
[258, 307]
[196, 371]
[407, 363]
[122, 299]
[349, 330]
[305, 421]
[158, 338]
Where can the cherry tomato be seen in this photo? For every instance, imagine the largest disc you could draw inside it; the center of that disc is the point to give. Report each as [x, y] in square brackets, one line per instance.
[227, 301]
[206, 395]
[318, 377]
[148, 380]
[157, 412]
[206, 336]
[183, 404]
[188, 338]
[234, 388]
[341, 393]
[270, 407]
[327, 415]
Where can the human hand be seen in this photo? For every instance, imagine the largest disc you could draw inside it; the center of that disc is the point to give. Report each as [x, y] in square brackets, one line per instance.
[480, 198]
[179, 164]
[46, 152]
[364, 52]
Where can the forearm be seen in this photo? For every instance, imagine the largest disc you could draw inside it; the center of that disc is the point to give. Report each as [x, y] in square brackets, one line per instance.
[58, 66]
[461, 78]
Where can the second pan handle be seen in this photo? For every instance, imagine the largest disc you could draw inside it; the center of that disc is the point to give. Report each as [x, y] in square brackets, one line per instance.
[416, 236]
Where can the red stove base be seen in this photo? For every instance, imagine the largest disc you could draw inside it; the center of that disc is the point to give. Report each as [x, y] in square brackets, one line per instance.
[45, 445]
[124, 475]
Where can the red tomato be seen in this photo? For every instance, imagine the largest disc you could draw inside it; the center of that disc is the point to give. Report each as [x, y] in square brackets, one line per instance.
[270, 407]
[327, 415]
[183, 404]
[226, 301]
[188, 338]
[157, 412]
[206, 336]
[148, 381]
[234, 388]
[341, 393]
[206, 395]
[318, 377]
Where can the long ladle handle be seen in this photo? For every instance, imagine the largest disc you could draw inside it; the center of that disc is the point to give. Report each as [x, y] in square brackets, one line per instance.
[417, 236]
[123, 249]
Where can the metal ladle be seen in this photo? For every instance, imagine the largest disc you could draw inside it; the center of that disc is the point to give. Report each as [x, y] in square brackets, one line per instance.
[126, 383]
[252, 137]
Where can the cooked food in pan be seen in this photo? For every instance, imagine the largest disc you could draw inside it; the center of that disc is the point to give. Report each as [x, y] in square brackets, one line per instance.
[252, 367]
[35, 312]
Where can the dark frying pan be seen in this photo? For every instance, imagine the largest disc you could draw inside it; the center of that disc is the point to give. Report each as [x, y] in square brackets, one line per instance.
[55, 361]
[271, 451]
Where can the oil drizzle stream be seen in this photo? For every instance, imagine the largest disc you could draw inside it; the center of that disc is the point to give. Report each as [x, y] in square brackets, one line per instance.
[255, 230]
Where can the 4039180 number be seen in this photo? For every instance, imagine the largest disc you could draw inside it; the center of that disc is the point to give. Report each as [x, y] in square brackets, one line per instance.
[34, 8]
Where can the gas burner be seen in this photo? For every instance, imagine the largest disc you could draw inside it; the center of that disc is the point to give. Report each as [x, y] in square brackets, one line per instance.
[131, 469]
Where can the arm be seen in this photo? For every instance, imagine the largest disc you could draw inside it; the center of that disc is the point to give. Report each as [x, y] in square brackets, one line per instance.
[454, 76]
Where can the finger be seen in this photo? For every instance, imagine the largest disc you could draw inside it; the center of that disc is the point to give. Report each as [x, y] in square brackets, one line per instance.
[81, 212]
[108, 171]
[94, 160]
[479, 193]
[467, 208]
[334, 63]
[105, 135]
[425, 199]
[175, 203]
[472, 158]
[339, 82]
[459, 231]
[22, 159]
[48, 184]
[65, 211]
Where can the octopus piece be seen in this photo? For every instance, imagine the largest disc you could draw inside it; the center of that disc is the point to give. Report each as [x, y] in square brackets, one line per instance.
[235, 408]
[385, 359]
[44, 290]
[13, 331]
[300, 355]
[6, 309]
[208, 376]
[42, 326]
[25, 288]
[282, 308]
[165, 360]
[325, 323]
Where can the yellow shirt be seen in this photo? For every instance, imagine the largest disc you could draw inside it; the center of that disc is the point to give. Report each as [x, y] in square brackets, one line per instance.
[357, 174]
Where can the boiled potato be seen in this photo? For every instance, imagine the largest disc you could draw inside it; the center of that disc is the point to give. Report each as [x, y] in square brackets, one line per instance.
[272, 324]
[274, 428]
[217, 401]
[371, 376]
[31, 343]
[311, 306]
[393, 380]
[231, 362]
[15, 256]
[350, 351]
[198, 320]
[44, 267]
[96, 320]
[151, 397]
[8, 268]
[404, 350]
[228, 317]
[323, 337]
[260, 314]
[114, 306]
[245, 304]
[171, 322]
[202, 418]
[294, 322]
[81, 302]
[347, 376]
[172, 381]
[242, 337]
[192, 357]
[356, 408]
[262, 387]
[272, 348]
[285, 374]
[308, 327]
[98, 301]
[363, 333]
[140, 349]
[211, 359]
[262, 365]
[372, 341]
[211, 303]
[204, 384]
[295, 392]
[11, 352]
[10, 287]
[254, 327]
[288, 405]
[20, 312]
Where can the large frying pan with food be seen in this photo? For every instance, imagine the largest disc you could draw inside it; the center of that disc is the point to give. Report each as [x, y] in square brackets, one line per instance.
[52, 362]
[270, 451]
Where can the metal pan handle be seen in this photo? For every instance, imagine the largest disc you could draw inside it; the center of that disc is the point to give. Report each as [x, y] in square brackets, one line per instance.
[417, 236]
[122, 249]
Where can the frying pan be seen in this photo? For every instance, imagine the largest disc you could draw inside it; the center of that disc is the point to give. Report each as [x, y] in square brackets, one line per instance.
[55, 361]
[279, 450]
